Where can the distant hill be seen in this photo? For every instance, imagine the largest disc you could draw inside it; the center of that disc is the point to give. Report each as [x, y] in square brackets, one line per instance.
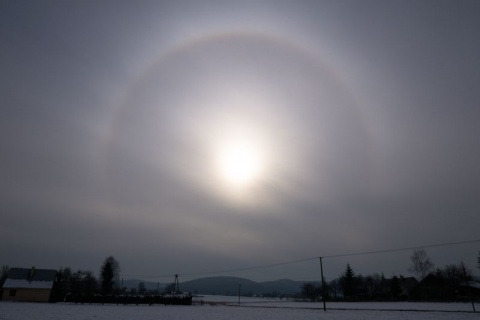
[149, 285]
[230, 286]
[285, 286]
[226, 286]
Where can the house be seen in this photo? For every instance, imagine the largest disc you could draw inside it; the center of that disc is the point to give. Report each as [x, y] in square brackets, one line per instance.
[34, 285]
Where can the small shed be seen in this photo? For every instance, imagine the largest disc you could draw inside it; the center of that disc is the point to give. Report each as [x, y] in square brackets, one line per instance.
[34, 285]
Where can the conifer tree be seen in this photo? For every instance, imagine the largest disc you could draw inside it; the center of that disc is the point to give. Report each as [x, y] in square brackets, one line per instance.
[109, 275]
[348, 281]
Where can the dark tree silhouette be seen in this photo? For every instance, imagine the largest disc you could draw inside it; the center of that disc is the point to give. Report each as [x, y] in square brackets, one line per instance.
[310, 291]
[170, 288]
[83, 283]
[348, 281]
[3, 274]
[141, 288]
[478, 260]
[453, 275]
[62, 284]
[109, 275]
[395, 289]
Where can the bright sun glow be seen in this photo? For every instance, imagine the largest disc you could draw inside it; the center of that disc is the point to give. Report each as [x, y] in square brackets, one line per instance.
[239, 163]
[236, 139]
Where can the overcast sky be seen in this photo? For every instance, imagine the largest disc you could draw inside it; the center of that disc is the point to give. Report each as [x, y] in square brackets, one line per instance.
[195, 136]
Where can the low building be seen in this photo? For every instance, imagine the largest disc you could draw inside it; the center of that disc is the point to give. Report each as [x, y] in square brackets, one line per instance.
[33, 285]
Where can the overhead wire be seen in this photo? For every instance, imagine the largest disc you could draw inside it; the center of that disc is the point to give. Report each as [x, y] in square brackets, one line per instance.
[226, 271]
[401, 249]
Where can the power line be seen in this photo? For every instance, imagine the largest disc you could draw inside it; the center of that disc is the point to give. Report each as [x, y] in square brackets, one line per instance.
[401, 249]
[249, 268]
[226, 270]
[309, 259]
[332, 256]
[150, 276]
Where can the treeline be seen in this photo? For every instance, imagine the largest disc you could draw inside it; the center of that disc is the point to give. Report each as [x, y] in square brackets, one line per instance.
[74, 285]
[69, 284]
[450, 283]
[83, 287]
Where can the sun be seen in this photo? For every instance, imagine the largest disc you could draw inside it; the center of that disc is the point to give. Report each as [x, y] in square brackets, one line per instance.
[239, 163]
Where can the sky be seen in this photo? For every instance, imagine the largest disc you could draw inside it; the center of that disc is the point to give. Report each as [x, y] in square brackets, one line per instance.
[192, 137]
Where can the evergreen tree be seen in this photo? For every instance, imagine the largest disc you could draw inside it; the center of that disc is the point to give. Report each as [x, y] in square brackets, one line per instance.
[109, 275]
[348, 281]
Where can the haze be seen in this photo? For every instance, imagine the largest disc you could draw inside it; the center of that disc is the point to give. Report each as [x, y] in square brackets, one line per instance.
[195, 136]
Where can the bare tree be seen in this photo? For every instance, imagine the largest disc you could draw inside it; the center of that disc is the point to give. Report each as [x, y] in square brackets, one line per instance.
[83, 283]
[310, 291]
[63, 283]
[422, 265]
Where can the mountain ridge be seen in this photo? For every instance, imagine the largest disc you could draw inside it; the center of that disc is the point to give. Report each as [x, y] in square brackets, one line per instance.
[226, 285]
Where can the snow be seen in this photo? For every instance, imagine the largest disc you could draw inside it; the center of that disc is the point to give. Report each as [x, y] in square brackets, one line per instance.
[21, 283]
[60, 311]
[394, 306]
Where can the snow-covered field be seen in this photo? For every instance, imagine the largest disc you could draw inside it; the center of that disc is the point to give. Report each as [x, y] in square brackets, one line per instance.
[248, 311]
[410, 306]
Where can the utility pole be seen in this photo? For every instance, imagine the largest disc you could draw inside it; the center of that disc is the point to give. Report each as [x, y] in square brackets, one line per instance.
[323, 285]
[467, 281]
[176, 286]
[239, 291]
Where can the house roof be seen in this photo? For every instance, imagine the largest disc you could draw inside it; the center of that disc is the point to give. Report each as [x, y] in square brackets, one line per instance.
[30, 278]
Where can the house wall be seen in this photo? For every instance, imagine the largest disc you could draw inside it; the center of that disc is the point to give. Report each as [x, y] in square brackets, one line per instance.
[31, 295]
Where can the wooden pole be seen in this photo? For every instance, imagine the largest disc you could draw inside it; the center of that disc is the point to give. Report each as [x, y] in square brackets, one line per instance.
[467, 281]
[323, 285]
[176, 286]
[239, 291]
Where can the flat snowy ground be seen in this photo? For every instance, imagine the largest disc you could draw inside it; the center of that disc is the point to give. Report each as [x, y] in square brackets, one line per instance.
[61, 311]
[267, 302]
[392, 306]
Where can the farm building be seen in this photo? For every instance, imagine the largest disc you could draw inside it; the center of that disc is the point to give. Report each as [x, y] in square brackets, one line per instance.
[34, 285]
